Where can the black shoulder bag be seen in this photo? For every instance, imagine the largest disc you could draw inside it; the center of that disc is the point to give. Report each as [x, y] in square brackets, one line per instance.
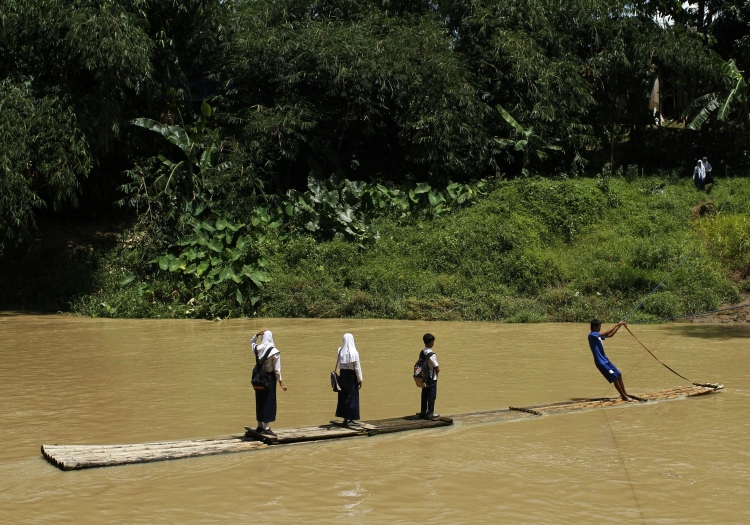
[262, 380]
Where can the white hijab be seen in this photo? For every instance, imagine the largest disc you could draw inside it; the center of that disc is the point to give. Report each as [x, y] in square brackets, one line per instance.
[701, 170]
[348, 352]
[265, 345]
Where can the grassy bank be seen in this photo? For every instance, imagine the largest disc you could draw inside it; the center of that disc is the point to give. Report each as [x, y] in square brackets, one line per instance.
[531, 250]
[534, 250]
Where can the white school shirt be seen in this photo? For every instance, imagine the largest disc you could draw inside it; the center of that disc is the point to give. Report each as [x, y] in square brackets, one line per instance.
[432, 363]
[356, 366]
[273, 362]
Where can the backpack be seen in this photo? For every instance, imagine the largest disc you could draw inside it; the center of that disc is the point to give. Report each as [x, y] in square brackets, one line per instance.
[422, 370]
[262, 380]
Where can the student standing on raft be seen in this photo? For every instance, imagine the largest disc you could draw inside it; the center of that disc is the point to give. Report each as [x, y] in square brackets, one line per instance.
[265, 400]
[350, 381]
[602, 362]
[429, 392]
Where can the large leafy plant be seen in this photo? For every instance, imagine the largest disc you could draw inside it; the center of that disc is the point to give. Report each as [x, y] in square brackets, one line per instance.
[189, 180]
[330, 209]
[733, 102]
[343, 208]
[526, 141]
[221, 251]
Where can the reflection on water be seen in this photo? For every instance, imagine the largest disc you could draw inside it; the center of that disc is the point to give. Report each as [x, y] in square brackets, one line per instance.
[70, 380]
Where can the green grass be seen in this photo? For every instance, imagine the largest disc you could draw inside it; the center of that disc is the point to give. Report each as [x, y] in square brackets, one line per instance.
[532, 250]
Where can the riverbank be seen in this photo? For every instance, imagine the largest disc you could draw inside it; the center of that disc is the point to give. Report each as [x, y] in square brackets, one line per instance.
[532, 250]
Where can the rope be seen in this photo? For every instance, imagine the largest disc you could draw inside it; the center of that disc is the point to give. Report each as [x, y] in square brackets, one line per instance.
[694, 315]
[709, 385]
[658, 285]
[624, 465]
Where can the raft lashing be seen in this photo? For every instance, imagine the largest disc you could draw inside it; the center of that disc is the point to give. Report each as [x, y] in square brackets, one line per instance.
[76, 457]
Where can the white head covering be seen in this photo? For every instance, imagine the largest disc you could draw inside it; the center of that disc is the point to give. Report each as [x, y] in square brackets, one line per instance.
[265, 345]
[701, 169]
[348, 352]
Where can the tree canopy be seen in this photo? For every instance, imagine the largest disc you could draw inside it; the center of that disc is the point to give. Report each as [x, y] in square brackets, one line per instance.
[373, 90]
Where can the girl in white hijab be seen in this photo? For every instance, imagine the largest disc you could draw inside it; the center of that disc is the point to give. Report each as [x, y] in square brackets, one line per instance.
[350, 381]
[265, 400]
[699, 175]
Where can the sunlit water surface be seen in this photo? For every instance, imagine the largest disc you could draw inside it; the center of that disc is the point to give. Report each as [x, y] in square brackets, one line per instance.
[67, 380]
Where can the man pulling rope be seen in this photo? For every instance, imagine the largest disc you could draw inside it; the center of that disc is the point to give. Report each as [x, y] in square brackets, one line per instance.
[602, 362]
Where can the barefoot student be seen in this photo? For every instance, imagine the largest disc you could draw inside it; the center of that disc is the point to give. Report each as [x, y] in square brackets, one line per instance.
[429, 392]
[602, 362]
[268, 360]
[350, 381]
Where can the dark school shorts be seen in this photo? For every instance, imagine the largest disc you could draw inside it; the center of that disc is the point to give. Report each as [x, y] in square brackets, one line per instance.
[609, 371]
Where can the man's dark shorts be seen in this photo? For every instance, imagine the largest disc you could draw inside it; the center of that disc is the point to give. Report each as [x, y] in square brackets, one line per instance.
[609, 371]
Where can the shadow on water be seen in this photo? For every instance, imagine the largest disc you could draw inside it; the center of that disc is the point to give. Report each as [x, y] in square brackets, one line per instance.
[712, 331]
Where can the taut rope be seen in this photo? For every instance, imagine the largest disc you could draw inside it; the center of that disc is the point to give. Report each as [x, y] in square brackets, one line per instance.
[708, 385]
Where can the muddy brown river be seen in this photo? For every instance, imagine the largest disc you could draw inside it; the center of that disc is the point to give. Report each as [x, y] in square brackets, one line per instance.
[68, 380]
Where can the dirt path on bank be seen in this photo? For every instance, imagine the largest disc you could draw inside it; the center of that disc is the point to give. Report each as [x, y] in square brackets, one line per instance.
[740, 315]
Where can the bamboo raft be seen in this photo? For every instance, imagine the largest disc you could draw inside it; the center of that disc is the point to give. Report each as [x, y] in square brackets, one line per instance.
[76, 457]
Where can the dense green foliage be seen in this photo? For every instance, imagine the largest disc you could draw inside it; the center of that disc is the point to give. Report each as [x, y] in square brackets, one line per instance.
[228, 133]
[42, 153]
[372, 89]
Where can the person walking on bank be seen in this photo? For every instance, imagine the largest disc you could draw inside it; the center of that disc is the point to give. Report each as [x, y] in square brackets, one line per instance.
[602, 362]
[707, 169]
[268, 359]
[350, 381]
[429, 391]
[699, 175]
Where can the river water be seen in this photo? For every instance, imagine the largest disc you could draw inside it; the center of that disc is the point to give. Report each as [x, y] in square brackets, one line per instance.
[68, 380]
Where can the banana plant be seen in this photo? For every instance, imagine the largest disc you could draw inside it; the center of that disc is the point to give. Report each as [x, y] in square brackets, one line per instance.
[190, 177]
[722, 103]
[527, 142]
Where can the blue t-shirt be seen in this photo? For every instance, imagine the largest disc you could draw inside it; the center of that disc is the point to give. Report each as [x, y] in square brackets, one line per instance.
[597, 348]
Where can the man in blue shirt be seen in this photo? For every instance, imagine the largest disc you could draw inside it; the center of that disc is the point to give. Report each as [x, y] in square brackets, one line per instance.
[602, 362]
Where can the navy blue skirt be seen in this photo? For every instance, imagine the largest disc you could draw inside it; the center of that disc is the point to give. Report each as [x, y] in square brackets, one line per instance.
[348, 405]
[265, 404]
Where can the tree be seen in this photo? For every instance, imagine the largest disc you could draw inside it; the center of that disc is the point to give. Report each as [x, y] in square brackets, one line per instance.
[43, 156]
[355, 90]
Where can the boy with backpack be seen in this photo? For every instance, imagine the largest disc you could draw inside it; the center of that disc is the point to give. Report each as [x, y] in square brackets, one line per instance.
[429, 375]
